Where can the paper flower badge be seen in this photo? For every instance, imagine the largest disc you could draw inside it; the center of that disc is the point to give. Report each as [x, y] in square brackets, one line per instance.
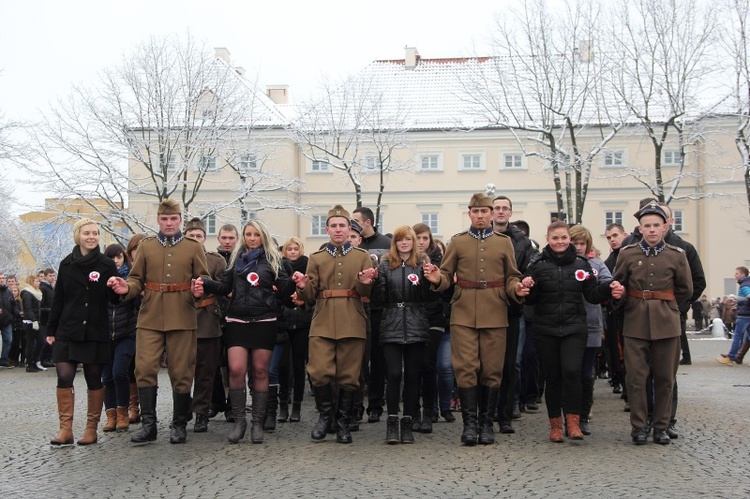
[581, 275]
[94, 276]
[414, 279]
[253, 278]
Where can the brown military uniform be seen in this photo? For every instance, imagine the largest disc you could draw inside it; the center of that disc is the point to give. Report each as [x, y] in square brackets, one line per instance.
[167, 317]
[486, 267]
[338, 329]
[652, 324]
[208, 354]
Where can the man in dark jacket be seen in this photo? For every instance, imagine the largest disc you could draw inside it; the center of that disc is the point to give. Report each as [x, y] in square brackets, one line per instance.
[48, 293]
[8, 310]
[502, 210]
[615, 235]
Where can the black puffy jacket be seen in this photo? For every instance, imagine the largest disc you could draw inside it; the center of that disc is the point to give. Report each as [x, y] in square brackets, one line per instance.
[255, 290]
[560, 285]
[404, 294]
[298, 317]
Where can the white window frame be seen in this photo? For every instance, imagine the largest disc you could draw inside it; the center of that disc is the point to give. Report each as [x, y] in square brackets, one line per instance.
[432, 220]
[673, 157]
[318, 226]
[614, 158]
[612, 217]
[372, 163]
[517, 160]
[248, 163]
[210, 222]
[172, 163]
[679, 220]
[319, 166]
[466, 155]
[438, 163]
[208, 163]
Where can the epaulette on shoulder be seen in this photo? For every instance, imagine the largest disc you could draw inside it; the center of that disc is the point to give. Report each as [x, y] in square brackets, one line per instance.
[213, 253]
[672, 246]
[461, 233]
[501, 234]
[147, 238]
[321, 250]
[361, 249]
[631, 245]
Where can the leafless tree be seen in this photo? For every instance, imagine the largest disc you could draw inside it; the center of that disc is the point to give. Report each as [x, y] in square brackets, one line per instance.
[544, 83]
[158, 125]
[9, 246]
[664, 53]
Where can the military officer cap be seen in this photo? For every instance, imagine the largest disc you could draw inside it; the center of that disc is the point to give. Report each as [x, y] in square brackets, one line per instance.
[480, 200]
[169, 207]
[651, 209]
[195, 223]
[337, 211]
[355, 226]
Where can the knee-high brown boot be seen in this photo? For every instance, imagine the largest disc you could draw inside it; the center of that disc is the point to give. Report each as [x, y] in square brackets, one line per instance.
[65, 402]
[93, 415]
[741, 354]
[134, 411]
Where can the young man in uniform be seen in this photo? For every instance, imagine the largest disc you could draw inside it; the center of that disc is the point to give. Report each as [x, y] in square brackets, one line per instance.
[484, 264]
[164, 268]
[209, 332]
[657, 278]
[337, 278]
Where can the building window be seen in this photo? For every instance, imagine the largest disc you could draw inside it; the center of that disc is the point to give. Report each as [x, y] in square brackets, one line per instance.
[430, 163]
[210, 221]
[207, 163]
[248, 163]
[612, 217]
[512, 161]
[677, 225]
[372, 163]
[471, 162]
[320, 165]
[318, 225]
[431, 220]
[614, 159]
[672, 158]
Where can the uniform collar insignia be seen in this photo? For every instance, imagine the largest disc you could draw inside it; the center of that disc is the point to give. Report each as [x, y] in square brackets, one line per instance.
[171, 241]
[652, 250]
[346, 248]
[480, 233]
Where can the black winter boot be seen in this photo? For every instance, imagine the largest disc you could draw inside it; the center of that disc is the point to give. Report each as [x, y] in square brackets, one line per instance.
[239, 399]
[343, 416]
[296, 410]
[427, 417]
[324, 404]
[147, 433]
[407, 437]
[260, 404]
[182, 403]
[488, 396]
[468, 398]
[587, 400]
[391, 430]
[273, 403]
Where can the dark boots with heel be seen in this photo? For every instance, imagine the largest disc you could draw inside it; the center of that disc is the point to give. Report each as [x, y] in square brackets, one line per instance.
[324, 404]
[468, 398]
[488, 398]
[273, 403]
[238, 399]
[181, 413]
[343, 413]
[260, 405]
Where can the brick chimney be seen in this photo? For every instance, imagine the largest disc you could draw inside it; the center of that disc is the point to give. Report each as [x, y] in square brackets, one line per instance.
[279, 94]
[412, 57]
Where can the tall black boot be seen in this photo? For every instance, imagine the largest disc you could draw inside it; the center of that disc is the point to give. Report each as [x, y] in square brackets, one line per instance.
[343, 414]
[273, 403]
[488, 396]
[260, 404]
[182, 402]
[468, 398]
[324, 404]
[586, 402]
[238, 399]
[147, 433]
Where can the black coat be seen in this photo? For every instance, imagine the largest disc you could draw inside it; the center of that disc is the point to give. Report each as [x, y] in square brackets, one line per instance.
[31, 306]
[79, 308]
[48, 295]
[404, 294]
[254, 301]
[9, 306]
[298, 317]
[560, 285]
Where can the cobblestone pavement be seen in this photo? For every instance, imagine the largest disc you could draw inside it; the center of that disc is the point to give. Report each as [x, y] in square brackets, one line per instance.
[709, 459]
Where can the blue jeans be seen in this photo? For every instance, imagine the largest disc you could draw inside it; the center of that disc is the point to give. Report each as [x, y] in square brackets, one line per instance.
[740, 332]
[273, 368]
[116, 374]
[7, 333]
[444, 373]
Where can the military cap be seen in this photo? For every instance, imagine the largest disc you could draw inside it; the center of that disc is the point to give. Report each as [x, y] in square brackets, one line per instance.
[195, 223]
[337, 211]
[355, 226]
[169, 207]
[480, 200]
[651, 209]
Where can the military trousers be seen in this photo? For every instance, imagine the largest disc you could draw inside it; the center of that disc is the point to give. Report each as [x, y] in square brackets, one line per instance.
[476, 351]
[335, 361]
[180, 345]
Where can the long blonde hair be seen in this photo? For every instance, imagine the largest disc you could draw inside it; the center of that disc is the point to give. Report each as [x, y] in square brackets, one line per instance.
[394, 259]
[272, 252]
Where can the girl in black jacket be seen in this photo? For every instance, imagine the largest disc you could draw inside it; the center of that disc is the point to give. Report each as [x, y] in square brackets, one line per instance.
[404, 328]
[559, 281]
[255, 279]
[31, 297]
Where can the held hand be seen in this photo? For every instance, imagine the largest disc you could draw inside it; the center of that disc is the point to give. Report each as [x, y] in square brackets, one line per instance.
[50, 340]
[118, 285]
[522, 290]
[618, 290]
[528, 282]
[432, 273]
[367, 275]
[300, 279]
[297, 302]
[196, 286]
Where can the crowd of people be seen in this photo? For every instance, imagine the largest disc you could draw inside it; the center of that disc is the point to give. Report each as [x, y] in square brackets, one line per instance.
[394, 326]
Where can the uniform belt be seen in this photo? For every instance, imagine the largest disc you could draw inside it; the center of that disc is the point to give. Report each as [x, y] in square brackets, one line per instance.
[167, 288]
[338, 293]
[207, 302]
[664, 294]
[403, 304]
[481, 284]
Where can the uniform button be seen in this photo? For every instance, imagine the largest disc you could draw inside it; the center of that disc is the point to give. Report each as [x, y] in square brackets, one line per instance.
[85, 304]
[84, 322]
[339, 273]
[169, 254]
[169, 265]
[481, 270]
[340, 264]
[169, 275]
[651, 274]
[481, 249]
[338, 284]
[481, 259]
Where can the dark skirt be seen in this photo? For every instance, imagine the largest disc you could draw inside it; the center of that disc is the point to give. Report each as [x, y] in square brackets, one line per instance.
[252, 335]
[84, 352]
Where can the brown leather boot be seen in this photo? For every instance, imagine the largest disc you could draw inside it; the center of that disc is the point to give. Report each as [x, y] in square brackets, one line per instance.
[93, 415]
[111, 423]
[574, 430]
[134, 411]
[555, 429]
[743, 350]
[65, 402]
[123, 421]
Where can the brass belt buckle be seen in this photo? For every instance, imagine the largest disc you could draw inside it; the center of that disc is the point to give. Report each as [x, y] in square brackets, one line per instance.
[483, 284]
[647, 294]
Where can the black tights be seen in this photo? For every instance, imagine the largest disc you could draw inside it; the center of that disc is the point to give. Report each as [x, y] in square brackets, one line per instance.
[66, 373]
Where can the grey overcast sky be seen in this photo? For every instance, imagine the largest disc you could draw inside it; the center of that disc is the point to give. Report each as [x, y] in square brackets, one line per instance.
[45, 45]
